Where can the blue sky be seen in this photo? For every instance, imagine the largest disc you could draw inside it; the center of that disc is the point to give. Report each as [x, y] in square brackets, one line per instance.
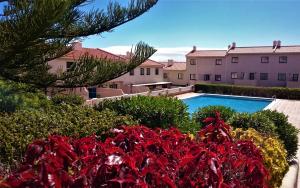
[174, 26]
[180, 24]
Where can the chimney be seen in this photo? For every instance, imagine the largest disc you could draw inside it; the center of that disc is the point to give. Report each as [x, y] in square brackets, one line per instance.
[278, 44]
[170, 62]
[77, 45]
[233, 45]
[194, 48]
[274, 44]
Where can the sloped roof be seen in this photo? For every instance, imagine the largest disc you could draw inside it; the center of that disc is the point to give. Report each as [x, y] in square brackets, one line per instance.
[147, 63]
[245, 50]
[175, 66]
[207, 53]
[96, 52]
[264, 50]
[151, 63]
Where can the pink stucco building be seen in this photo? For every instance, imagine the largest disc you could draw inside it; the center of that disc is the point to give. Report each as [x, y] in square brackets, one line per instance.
[147, 76]
[274, 65]
[175, 72]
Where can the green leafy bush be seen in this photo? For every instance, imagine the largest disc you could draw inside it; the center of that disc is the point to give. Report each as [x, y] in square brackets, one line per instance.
[286, 131]
[209, 111]
[151, 111]
[16, 96]
[70, 99]
[273, 152]
[257, 121]
[279, 92]
[20, 128]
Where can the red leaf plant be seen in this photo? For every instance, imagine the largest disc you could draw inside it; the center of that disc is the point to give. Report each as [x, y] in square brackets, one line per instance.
[140, 157]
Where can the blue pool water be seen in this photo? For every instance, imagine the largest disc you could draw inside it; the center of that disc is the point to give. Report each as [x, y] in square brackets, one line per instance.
[240, 104]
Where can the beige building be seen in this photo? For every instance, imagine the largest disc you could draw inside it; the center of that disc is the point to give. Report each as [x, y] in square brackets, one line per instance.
[175, 72]
[148, 76]
[274, 65]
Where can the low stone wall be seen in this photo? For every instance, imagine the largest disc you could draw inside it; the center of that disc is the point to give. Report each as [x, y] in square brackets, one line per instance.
[168, 92]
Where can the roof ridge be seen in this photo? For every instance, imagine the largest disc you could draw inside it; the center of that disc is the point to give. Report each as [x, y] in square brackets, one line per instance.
[266, 46]
[101, 51]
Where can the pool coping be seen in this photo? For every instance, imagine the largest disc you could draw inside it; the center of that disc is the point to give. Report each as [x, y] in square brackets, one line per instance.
[269, 106]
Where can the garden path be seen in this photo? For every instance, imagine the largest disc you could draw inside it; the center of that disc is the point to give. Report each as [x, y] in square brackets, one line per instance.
[291, 108]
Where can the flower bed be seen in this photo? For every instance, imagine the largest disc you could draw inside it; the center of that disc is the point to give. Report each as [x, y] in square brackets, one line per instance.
[141, 157]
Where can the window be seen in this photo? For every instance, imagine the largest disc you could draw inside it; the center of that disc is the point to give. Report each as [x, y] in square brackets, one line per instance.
[218, 61]
[295, 77]
[217, 77]
[148, 71]
[193, 62]
[206, 77]
[251, 76]
[115, 86]
[264, 59]
[69, 65]
[281, 76]
[234, 75]
[283, 59]
[192, 76]
[263, 76]
[234, 59]
[156, 71]
[131, 73]
[165, 75]
[242, 76]
[180, 76]
[142, 71]
[92, 92]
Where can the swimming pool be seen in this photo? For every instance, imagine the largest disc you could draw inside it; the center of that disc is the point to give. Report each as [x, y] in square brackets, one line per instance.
[240, 104]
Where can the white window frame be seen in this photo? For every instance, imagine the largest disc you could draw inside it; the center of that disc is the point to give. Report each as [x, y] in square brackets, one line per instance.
[234, 75]
[180, 76]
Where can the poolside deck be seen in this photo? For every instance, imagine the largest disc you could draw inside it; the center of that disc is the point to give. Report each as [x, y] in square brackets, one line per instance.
[187, 95]
[291, 108]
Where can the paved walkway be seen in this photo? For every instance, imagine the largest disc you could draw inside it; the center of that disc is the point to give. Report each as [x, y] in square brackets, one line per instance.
[291, 108]
[187, 95]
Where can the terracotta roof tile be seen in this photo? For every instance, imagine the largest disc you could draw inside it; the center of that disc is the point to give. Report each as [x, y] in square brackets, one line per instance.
[207, 53]
[176, 66]
[96, 52]
[245, 50]
[151, 63]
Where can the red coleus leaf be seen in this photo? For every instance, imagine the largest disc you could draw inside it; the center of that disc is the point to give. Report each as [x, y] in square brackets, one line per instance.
[140, 157]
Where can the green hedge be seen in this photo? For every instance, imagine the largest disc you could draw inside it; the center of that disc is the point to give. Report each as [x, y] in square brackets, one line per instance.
[151, 111]
[70, 99]
[17, 96]
[279, 92]
[286, 131]
[209, 111]
[20, 128]
[257, 121]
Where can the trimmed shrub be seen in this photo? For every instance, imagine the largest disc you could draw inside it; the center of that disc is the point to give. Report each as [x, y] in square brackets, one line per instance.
[16, 96]
[272, 150]
[279, 92]
[209, 111]
[259, 122]
[18, 129]
[153, 112]
[286, 131]
[70, 99]
[140, 157]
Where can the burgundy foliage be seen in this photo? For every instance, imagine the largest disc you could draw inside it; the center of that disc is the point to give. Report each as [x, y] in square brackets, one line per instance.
[141, 157]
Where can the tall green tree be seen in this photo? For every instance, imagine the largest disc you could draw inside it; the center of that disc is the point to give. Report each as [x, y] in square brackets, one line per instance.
[34, 32]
